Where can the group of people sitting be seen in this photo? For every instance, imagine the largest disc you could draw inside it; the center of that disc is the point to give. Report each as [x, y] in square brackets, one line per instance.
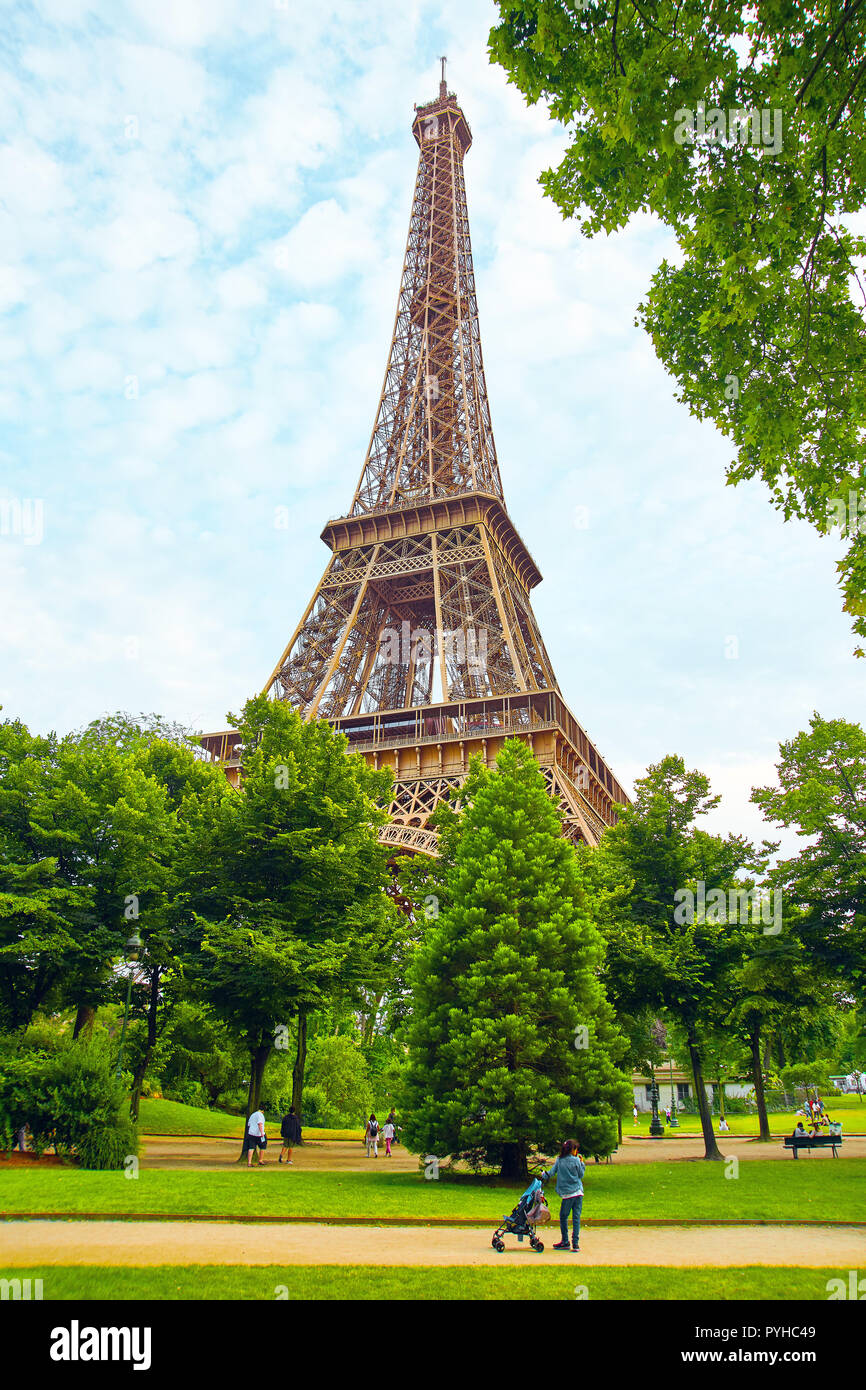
[818, 1117]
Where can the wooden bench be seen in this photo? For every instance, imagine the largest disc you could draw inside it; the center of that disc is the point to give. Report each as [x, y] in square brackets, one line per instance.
[817, 1141]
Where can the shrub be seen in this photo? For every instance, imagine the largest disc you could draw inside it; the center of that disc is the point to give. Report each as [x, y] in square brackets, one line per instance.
[24, 1096]
[187, 1093]
[108, 1146]
[70, 1099]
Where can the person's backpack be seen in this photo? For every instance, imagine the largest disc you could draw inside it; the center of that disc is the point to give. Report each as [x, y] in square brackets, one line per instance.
[374, 1128]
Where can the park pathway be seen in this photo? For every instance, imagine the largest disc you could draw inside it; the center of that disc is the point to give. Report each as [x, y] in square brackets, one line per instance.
[206, 1154]
[37, 1243]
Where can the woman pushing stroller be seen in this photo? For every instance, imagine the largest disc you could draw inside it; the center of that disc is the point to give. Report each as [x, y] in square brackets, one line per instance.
[568, 1170]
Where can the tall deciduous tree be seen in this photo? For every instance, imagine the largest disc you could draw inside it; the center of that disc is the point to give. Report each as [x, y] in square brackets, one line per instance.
[290, 891]
[89, 826]
[512, 1044]
[660, 954]
[822, 795]
[739, 123]
[775, 981]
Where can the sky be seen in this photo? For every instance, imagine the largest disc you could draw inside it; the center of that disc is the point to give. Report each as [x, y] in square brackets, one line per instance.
[203, 212]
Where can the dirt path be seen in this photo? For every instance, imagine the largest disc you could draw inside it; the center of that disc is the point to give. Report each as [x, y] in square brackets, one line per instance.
[343, 1156]
[178, 1243]
[333, 1156]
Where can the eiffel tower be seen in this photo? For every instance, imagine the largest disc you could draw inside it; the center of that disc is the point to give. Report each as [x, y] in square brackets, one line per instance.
[420, 643]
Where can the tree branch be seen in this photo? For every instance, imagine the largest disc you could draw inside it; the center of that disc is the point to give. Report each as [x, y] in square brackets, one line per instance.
[848, 14]
[613, 38]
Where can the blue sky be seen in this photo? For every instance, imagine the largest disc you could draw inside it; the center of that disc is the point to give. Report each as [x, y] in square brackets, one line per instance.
[203, 211]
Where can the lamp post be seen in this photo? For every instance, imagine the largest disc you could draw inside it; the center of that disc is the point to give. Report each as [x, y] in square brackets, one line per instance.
[133, 946]
[675, 1124]
[657, 1129]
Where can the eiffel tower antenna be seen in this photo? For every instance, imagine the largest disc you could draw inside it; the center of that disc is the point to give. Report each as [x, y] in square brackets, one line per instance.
[420, 642]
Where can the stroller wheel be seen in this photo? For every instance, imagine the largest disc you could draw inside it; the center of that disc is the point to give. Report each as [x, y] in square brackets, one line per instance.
[498, 1244]
[537, 1245]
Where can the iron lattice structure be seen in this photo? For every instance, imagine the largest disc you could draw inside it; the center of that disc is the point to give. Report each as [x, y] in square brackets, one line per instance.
[420, 642]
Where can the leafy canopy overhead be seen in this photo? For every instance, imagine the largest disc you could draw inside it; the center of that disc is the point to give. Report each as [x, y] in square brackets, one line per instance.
[761, 320]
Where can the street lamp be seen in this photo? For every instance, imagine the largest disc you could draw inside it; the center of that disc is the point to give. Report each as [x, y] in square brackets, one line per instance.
[133, 946]
[675, 1124]
[657, 1129]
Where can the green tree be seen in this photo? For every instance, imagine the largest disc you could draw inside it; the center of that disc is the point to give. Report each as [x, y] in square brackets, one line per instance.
[851, 1047]
[664, 951]
[196, 1045]
[83, 834]
[821, 794]
[511, 1043]
[338, 1069]
[291, 904]
[755, 319]
[774, 983]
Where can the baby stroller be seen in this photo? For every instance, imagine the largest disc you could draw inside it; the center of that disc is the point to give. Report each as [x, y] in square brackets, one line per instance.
[531, 1210]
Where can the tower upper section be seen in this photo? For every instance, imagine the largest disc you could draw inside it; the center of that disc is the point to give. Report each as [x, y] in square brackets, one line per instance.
[433, 436]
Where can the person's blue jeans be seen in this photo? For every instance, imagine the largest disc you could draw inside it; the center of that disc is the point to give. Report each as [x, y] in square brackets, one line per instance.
[570, 1206]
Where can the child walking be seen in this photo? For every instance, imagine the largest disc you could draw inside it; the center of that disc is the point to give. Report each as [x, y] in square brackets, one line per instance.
[371, 1136]
[387, 1135]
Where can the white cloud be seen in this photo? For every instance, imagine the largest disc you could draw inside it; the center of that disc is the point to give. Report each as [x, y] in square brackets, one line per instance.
[150, 252]
[151, 227]
[33, 183]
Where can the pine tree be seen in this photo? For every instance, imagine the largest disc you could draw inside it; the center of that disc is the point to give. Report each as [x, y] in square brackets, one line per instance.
[512, 1045]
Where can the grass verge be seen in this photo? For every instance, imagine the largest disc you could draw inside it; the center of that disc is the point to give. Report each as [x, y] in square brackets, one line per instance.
[817, 1190]
[428, 1283]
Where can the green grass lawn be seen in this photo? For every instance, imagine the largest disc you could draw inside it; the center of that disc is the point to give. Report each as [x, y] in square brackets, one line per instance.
[848, 1109]
[169, 1117]
[816, 1189]
[427, 1283]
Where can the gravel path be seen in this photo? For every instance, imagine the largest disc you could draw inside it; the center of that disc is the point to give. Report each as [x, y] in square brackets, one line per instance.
[180, 1243]
[204, 1154]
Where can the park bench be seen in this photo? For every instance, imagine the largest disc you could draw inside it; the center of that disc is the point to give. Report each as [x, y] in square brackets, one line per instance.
[818, 1141]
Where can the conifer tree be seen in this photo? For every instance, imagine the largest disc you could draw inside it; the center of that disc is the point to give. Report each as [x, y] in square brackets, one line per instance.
[512, 1044]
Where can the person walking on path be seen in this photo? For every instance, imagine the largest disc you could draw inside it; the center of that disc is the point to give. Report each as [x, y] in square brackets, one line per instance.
[371, 1136]
[255, 1137]
[569, 1169]
[634, 1113]
[392, 1120]
[388, 1135]
[290, 1129]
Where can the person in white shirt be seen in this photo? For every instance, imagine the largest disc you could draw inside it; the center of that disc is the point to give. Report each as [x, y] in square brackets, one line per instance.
[387, 1135]
[255, 1135]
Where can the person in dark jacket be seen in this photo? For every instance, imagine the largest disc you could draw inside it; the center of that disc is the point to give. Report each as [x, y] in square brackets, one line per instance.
[290, 1129]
